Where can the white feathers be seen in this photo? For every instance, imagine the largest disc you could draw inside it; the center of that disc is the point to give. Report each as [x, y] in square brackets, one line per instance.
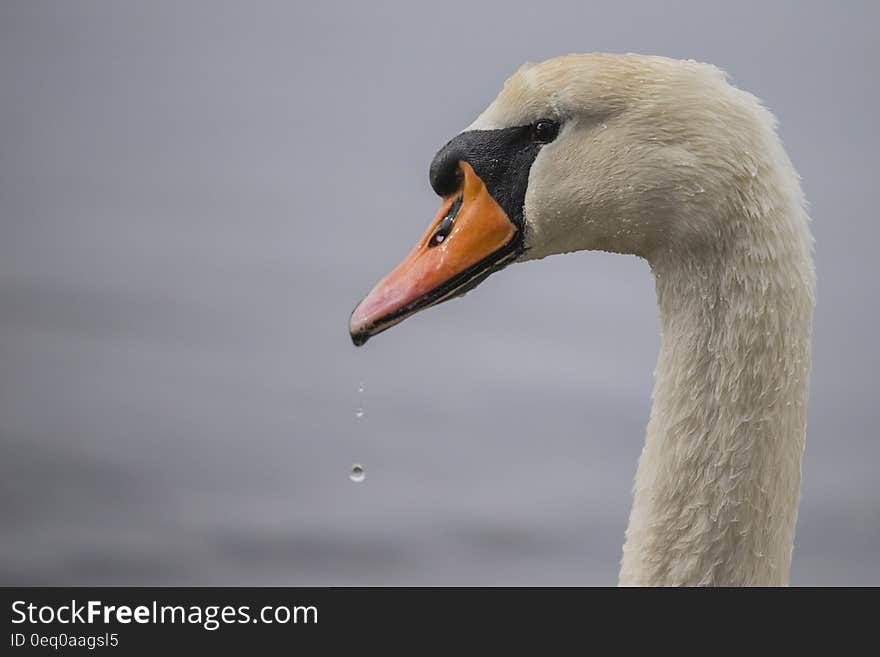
[666, 160]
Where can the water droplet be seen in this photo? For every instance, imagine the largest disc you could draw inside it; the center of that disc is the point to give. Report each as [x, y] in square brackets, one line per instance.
[361, 386]
[357, 473]
[359, 413]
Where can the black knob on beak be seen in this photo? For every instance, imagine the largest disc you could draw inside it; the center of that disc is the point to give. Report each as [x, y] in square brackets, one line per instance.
[444, 174]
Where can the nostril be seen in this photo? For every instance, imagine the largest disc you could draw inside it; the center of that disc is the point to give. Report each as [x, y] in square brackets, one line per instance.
[444, 174]
[445, 226]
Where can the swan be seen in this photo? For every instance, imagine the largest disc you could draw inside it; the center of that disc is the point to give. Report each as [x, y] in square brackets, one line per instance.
[667, 160]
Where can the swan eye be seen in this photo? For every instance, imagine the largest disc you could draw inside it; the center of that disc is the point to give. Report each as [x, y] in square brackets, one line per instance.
[545, 130]
[445, 225]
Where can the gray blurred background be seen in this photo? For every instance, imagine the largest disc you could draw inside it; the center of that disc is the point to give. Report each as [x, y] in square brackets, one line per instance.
[193, 197]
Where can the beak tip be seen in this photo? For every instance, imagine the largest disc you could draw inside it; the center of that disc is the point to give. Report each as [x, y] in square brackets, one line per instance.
[357, 328]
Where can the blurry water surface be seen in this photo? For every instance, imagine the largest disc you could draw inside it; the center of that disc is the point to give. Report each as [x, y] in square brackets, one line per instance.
[193, 197]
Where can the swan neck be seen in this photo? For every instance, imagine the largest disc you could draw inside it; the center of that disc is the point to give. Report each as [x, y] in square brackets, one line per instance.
[717, 487]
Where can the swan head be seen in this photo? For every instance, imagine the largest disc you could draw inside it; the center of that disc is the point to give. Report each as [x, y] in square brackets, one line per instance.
[621, 153]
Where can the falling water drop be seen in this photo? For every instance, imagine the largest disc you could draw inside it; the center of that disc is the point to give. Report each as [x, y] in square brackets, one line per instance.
[357, 473]
[359, 413]
[361, 386]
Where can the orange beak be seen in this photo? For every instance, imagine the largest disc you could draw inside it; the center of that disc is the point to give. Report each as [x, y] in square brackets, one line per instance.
[470, 237]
